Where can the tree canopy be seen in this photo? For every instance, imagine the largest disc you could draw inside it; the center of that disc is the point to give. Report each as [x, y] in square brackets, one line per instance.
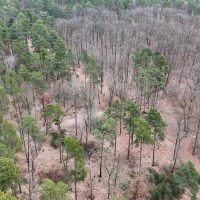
[51, 190]
[9, 174]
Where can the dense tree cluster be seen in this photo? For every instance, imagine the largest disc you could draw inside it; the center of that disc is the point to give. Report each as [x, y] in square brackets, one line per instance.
[173, 185]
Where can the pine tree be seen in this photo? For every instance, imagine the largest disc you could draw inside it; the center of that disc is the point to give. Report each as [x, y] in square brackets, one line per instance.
[157, 124]
[143, 134]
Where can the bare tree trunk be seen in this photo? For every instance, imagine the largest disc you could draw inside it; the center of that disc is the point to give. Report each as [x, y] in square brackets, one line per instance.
[60, 143]
[35, 146]
[115, 147]
[176, 155]
[15, 106]
[90, 106]
[76, 122]
[154, 147]
[140, 153]
[75, 182]
[91, 185]
[120, 125]
[102, 83]
[20, 188]
[24, 144]
[98, 95]
[32, 170]
[29, 191]
[28, 152]
[129, 145]
[116, 174]
[86, 132]
[175, 147]
[101, 158]
[109, 176]
[196, 139]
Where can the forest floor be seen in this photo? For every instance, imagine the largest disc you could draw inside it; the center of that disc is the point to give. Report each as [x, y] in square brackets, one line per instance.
[129, 173]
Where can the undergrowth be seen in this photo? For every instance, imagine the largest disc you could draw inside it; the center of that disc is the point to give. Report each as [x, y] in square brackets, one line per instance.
[168, 186]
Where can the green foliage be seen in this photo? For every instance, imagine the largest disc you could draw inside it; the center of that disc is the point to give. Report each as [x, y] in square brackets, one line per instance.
[131, 109]
[174, 184]
[52, 50]
[193, 6]
[12, 83]
[186, 176]
[162, 192]
[6, 196]
[4, 101]
[112, 4]
[151, 69]
[9, 10]
[9, 173]
[75, 151]
[52, 191]
[116, 109]
[54, 112]
[92, 67]
[37, 81]
[120, 197]
[29, 125]
[105, 128]
[143, 131]
[8, 136]
[131, 112]
[55, 141]
[6, 152]
[156, 177]
[155, 120]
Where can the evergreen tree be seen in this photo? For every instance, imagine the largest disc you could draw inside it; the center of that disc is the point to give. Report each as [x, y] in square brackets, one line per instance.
[105, 130]
[9, 174]
[6, 196]
[56, 113]
[156, 122]
[75, 151]
[131, 113]
[143, 134]
[51, 190]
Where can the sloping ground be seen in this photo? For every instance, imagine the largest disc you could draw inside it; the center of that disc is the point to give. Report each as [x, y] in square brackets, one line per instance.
[48, 158]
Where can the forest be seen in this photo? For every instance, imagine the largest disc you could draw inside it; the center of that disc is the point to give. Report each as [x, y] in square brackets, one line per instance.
[99, 99]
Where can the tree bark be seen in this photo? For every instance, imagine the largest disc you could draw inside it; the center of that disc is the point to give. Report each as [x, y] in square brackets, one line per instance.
[75, 182]
[60, 143]
[154, 148]
[129, 145]
[101, 158]
[196, 139]
[140, 153]
[115, 147]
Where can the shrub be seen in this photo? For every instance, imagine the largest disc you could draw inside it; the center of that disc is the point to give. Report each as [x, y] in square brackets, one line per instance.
[161, 192]
[51, 190]
[174, 184]
[6, 196]
[156, 177]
